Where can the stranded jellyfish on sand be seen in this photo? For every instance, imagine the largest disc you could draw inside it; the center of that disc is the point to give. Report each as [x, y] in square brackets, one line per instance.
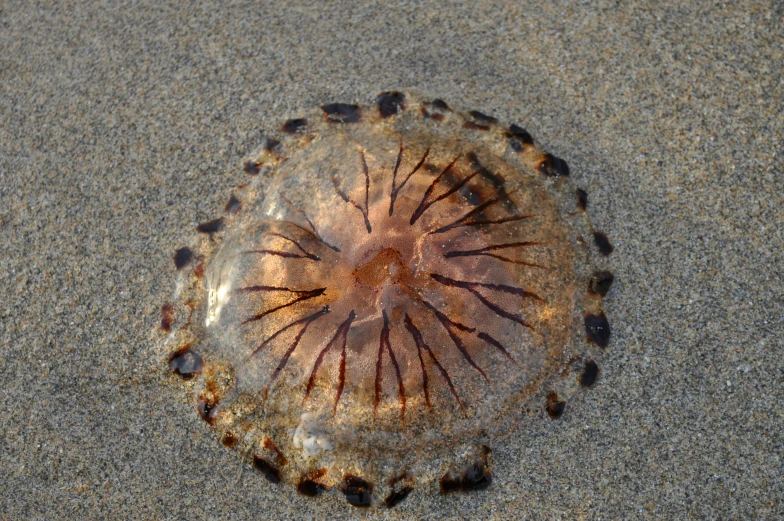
[395, 289]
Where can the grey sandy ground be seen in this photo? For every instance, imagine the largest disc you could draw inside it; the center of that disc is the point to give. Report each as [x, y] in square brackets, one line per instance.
[122, 128]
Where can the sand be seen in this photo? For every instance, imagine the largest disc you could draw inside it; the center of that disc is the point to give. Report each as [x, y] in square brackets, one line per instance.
[122, 127]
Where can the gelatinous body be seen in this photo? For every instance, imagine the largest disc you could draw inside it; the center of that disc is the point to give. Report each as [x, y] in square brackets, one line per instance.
[397, 286]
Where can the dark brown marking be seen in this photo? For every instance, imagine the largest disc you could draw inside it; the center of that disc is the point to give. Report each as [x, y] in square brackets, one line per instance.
[167, 317]
[306, 321]
[289, 255]
[267, 469]
[182, 257]
[390, 103]
[552, 166]
[602, 243]
[582, 198]
[270, 446]
[516, 146]
[284, 254]
[394, 480]
[427, 202]
[421, 345]
[211, 227]
[229, 440]
[520, 134]
[251, 167]
[486, 252]
[555, 407]
[494, 179]
[342, 112]
[270, 144]
[384, 345]
[362, 208]
[233, 206]
[313, 232]
[475, 476]
[185, 363]
[303, 295]
[465, 220]
[590, 374]
[439, 104]
[307, 254]
[597, 328]
[207, 411]
[600, 282]
[431, 115]
[495, 343]
[474, 126]
[471, 287]
[340, 336]
[397, 188]
[309, 485]
[449, 326]
[294, 126]
[396, 496]
[358, 492]
[484, 118]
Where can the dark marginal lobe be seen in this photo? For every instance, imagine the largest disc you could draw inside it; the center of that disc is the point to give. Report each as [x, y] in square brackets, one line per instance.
[602, 243]
[185, 363]
[396, 496]
[484, 118]
[555, 407]
[167, 317]
[600, 282]
[520, 134]
[233, 206]
[358, 492]
[294, 126]
[182, 257]
[475, 476]
[211, 227]
[597, 328]
[309, 484]
[390, 103]
[267, 469]
[475, 126]
[342, 112]
[582, 198]
[590, 374]
[552, 166]
[251, 167]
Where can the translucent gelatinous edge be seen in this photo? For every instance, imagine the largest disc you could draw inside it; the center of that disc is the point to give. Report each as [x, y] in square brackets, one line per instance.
[183, 329]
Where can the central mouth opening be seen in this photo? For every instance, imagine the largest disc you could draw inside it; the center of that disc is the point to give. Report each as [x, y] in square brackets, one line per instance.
[386, 267]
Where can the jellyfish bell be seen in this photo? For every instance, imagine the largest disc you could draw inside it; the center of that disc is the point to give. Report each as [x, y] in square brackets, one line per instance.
[395, 289]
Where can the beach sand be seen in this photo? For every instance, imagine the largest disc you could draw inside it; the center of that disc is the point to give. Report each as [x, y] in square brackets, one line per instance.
[123, 127]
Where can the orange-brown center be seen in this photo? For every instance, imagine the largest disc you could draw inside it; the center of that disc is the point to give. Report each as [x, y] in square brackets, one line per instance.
[387, 266]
